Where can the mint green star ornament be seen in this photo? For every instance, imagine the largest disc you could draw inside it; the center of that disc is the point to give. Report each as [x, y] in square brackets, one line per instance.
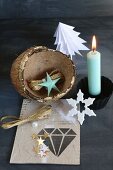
[50, 84]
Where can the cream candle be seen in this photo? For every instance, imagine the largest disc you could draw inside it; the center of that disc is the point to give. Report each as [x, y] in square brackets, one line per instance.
[94, 69]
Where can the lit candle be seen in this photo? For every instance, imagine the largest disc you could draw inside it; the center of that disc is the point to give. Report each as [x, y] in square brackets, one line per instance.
[94, 69]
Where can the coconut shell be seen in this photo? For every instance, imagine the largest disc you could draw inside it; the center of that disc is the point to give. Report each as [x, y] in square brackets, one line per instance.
[33, 65]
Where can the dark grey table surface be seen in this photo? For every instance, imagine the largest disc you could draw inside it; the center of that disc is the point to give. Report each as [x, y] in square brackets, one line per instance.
[96, 132]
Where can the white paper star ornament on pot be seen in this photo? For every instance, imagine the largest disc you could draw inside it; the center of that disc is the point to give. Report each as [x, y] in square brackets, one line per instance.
[81, 107]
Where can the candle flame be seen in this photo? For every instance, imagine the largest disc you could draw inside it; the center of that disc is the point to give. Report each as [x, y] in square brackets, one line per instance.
[94, 43]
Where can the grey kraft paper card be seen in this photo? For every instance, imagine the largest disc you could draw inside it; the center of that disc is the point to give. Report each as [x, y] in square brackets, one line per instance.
[61, 144]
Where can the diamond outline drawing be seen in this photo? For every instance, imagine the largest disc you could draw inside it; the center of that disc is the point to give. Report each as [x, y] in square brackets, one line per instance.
[58, 139]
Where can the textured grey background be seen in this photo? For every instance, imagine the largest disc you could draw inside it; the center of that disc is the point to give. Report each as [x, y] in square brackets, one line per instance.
[55, 8]
[24, 23]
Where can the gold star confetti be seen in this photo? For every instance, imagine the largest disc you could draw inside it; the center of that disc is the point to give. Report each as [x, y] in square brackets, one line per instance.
[34, 136]
[40, 148]
[40, 141]
[36, 149]
[46, 135]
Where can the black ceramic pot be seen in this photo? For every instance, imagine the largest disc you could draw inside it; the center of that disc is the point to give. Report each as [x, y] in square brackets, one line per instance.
[101, 99]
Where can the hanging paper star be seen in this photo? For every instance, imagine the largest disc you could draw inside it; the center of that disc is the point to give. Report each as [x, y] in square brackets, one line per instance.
[77, 109]
[50, 84]
[40, 141]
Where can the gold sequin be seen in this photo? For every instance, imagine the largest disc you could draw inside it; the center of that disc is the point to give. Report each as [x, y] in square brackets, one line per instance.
[34, 136]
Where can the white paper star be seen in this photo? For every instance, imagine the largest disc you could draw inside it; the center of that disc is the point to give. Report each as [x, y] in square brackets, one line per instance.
[76, 110]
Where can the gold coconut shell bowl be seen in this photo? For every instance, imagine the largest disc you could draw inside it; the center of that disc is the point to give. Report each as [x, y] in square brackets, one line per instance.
[31, 67]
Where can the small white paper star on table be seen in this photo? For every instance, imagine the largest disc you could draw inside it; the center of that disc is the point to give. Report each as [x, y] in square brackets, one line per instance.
[50, 84]
[77, 111]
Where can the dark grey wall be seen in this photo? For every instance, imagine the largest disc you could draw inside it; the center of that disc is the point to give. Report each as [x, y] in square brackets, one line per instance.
[55, 8]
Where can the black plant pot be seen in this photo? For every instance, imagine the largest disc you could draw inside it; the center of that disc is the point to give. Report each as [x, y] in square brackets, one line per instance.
[101, 99]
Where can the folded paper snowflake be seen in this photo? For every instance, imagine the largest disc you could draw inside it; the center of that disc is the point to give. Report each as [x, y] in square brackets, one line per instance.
[81, 107]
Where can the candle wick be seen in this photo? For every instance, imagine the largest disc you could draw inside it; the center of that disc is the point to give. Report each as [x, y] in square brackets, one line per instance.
[93, 50]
